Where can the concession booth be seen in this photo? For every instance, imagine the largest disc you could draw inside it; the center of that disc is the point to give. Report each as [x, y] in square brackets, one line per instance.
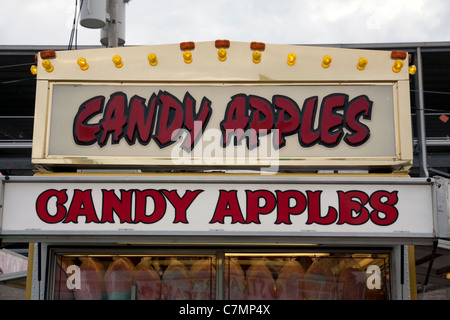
[223, 171]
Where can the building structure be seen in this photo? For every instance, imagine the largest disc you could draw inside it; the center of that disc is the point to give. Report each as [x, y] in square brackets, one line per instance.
[428, 92]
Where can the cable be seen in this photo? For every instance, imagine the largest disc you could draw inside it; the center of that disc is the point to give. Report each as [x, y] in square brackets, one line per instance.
[435, 92]
[74, 32]
[77, 24]
[18, 80]
[73, 26]
[430, 266]
[431, 109]
[16, 65]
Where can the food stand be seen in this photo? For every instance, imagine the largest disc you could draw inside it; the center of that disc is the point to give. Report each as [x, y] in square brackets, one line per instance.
[223, 170]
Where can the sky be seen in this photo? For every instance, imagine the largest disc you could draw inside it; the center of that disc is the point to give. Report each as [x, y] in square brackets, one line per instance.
[151, 22]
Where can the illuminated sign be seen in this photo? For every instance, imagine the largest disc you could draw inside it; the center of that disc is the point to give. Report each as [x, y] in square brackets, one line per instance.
[217, 117]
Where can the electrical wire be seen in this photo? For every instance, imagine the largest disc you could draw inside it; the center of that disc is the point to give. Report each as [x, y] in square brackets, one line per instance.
[18, 80]
[74, 31]
[17, 65]
[73, 26]
[431, 109]
[77, 24]
[434, 92]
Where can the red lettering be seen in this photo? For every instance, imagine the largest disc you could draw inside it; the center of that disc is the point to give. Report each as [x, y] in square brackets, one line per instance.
[308, 135]
[159, 205]
[82, 205]
[42, 206]
[384, 213]
[140, 120]
[114, 119]
[136, 121]
[235, 121]
[227, 205]
[353, 202]
[354, 207]
[331, 121]
[253, 207]
[122, 206]
[315, 210]
[261, 119]
[288, 119]
[181, 204]
[360, 133]
[171, 117]
[83, 132]
[284, 208]
[245, 116]
[191, 118]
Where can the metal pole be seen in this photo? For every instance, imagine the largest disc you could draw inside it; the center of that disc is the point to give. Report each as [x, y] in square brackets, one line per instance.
[430, 267]
[113, 38]
[421, 120]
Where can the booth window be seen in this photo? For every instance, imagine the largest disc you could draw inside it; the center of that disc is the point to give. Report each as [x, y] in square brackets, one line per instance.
[320, 276]
[242, 276]
[121, 277]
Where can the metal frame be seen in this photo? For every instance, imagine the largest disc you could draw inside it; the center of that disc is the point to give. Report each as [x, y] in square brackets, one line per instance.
[442, 207]
[421, 119]
[401, 160]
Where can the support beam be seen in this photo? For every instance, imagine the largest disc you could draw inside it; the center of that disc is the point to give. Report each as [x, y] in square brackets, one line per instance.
[421, 118]
[113, 38]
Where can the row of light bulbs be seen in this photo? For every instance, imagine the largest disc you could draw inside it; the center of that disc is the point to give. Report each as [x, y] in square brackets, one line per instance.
[222, 45]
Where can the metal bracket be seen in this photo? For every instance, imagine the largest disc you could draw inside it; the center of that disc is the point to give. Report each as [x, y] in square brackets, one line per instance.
[442, 207]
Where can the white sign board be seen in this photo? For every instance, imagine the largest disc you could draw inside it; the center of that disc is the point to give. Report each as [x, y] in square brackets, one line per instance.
[12, 262]
[232, 206]
[211, 123]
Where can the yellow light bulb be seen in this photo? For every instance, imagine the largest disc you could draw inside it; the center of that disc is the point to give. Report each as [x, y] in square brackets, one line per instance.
[412, 70]
[398, 65]
[117, 60]
[187, 56]
[222, 53]
[47, 65]
[256, 56]
[326, 61]
[362, 63]
[83, 64]
[33, 70]
[291, 59]
[152, 59]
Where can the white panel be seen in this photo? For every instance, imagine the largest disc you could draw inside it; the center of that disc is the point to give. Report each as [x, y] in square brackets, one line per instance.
[379, 209]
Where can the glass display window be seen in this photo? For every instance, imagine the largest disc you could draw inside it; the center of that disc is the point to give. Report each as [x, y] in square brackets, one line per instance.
[221, 275]
[321, 276]
[125, 277]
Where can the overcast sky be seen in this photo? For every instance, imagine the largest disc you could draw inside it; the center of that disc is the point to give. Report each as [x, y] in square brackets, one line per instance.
[49, 22]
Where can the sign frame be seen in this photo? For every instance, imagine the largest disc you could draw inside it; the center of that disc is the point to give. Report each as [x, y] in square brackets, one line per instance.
[126, 233]
[207, 70]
